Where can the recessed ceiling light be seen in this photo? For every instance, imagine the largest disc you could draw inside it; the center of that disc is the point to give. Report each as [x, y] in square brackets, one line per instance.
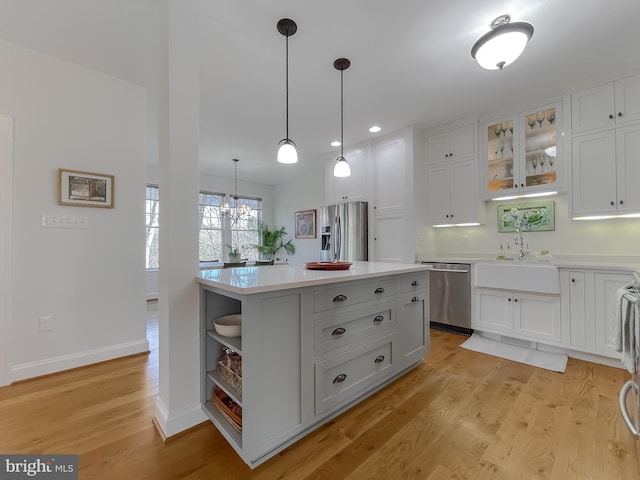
[335, 143]
[374, 129]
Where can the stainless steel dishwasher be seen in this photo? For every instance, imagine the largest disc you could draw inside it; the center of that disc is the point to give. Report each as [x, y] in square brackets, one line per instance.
[450, 297]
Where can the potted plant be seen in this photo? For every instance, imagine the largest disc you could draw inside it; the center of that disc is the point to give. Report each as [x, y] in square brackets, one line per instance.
[234, 253]
[272, 241]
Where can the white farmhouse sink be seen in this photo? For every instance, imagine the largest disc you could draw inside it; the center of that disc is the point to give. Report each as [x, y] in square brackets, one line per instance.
[517, 275]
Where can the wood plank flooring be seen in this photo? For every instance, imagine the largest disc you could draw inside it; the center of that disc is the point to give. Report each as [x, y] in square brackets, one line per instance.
[460, 415]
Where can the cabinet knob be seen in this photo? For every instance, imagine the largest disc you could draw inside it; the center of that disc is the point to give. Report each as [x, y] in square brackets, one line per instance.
[573, 280]
[522, 185]
[340, 378]
[340, 298]
[621, 202]
[509, 299]
[379, 359]
[451, 154]
[451, 215]
[515, 299]
[447, 215]
[379, 290]
[338, 331]
[414, 299]
[612, 203]
[446, 155]
[415, 283]
[619, 114]
[378, 319]
[611, 116]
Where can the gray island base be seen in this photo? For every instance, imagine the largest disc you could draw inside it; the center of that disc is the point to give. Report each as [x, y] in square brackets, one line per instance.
[313, 344]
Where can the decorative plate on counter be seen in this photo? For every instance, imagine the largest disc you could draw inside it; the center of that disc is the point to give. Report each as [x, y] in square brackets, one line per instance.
[327, 265]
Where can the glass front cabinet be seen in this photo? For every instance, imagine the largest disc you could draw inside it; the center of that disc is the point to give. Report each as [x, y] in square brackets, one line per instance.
[523, 152]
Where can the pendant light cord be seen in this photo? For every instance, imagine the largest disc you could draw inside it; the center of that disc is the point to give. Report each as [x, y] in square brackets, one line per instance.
[342, 113]
[287, 85]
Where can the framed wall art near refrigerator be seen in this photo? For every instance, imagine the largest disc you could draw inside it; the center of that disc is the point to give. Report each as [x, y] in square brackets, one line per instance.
[306, 224]
[85, 189]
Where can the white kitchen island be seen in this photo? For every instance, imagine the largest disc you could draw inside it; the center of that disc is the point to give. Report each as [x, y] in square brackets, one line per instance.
[314, 343]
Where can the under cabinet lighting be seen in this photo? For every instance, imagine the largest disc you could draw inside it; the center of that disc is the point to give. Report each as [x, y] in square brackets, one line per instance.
[473, 224]
[528, 195]
[607, 217]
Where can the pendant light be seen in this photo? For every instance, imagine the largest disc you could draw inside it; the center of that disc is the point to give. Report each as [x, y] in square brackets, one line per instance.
[503, 44]
[287, 152]
[342, 168]
[236, 213]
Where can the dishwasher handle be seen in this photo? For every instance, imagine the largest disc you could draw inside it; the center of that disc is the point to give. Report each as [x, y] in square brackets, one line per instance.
[447, 270]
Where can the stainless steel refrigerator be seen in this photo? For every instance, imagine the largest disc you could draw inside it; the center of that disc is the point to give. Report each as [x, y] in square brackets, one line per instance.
[344, 232]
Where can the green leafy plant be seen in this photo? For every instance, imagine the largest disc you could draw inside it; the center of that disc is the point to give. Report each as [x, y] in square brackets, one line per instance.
[272, 241]
[234, 252]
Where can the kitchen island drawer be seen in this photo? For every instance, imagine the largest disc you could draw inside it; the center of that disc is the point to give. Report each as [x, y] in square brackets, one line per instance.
[413, 282]
[340, 378]
[351, 294]
[349, 329]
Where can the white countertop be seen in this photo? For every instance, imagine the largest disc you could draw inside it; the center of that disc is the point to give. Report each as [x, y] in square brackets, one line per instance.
[247, 280]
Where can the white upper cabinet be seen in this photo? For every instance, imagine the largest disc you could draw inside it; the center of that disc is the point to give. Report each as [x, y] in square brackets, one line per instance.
[452, 192]
[347, 189]
[606, 106]
[455, 144]
[390, 168]
[605, 172]
[523, 152]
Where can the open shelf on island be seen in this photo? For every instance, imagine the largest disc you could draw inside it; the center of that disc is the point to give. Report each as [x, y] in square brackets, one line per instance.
[215, 377]
[234, 343]
[233, 436]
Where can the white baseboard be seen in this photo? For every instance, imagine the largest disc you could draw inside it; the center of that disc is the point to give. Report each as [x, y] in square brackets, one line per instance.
[181, 419]
[66, 362]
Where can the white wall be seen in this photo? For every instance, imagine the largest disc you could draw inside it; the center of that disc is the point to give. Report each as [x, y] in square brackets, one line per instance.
[72, 117]
[302, 194]
[595, 238]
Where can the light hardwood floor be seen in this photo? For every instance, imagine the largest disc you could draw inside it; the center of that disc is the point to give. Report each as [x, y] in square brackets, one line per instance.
[459, 415]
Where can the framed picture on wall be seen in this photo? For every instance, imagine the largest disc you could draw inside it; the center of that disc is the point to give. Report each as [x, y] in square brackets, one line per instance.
[85, 189]
[305, 222]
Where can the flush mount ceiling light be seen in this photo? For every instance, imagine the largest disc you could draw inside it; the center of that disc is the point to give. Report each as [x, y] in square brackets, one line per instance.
[342, 168]
[503, 44]
[287, 152]
[374, 128]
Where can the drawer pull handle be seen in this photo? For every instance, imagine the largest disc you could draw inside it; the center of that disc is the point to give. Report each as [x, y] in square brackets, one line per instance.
[378, 319]
[415, 283]
[379, 359]
[340, 378]
[338, 331]
[340, 298]
[414, 299]
[379, 290]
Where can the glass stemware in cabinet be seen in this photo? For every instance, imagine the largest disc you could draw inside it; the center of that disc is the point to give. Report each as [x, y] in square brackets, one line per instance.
[534, 164]
[497, 131]
[551, 162]
[551, 116]
[540, 118]
[531, 121]
[542, 160]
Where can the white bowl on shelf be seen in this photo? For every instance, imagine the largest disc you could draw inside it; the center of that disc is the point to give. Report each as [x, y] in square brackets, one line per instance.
[228, 325]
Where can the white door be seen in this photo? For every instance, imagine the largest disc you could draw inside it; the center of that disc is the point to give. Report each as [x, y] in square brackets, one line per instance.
[462, 185]
[628, 168]
[439, 206]
[537, 316]
[606, 285]
[493, 310]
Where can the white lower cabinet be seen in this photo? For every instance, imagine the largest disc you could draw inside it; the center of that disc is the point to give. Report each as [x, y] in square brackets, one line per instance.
[530, 316]
[587, 307]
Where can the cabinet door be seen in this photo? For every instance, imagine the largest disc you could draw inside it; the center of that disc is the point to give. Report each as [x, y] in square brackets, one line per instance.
[389, 173]
[606, 285]
[493, 310]
[540, 157]
[628, 168]
[593, 108]
[500, 144]
[537, 316]
[462, 143]
[438, 148]
[350, 188]
[627, 99]
[412, 324]
[438, 187]
[390, 242]
[594, 173]
[462, 192]
[574, 294]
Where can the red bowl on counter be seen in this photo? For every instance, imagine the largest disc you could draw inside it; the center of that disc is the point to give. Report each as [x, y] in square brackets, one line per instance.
[328, 265]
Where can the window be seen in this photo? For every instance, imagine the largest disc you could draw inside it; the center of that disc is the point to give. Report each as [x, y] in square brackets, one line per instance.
[218, 229]
[153, 234]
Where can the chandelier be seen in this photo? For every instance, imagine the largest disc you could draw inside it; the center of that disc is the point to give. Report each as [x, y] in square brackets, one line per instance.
[235, 213]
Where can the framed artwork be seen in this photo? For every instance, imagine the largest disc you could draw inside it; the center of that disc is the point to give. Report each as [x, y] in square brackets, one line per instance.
[530, 217]
[85, 189]
[306, 224]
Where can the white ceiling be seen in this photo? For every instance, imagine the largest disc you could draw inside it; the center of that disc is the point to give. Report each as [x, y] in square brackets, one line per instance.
[410, 63]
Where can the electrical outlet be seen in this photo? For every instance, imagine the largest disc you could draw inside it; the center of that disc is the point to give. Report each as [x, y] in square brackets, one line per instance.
[465, 240]
[46, 323]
